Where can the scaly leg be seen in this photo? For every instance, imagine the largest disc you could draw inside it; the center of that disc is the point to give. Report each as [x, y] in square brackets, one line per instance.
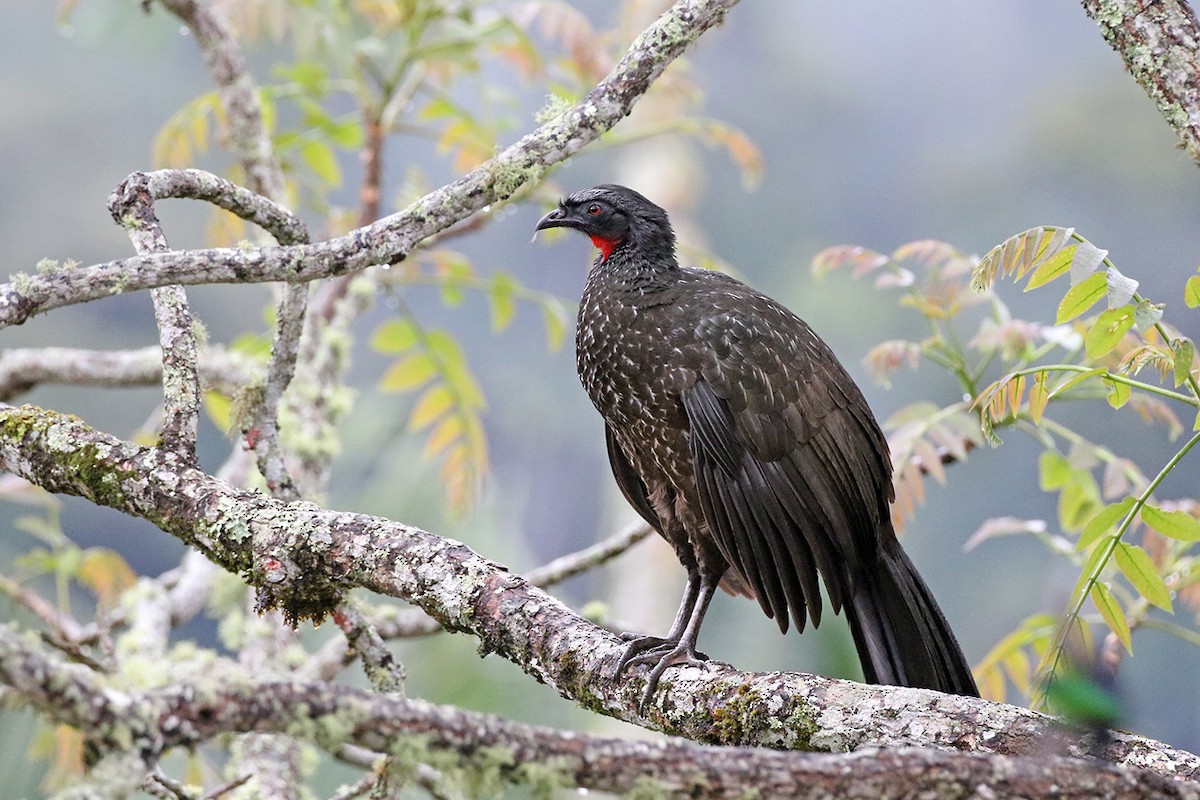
[678, 648]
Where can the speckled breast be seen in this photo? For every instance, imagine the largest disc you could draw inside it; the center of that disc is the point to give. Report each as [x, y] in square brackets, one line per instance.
[629, 365]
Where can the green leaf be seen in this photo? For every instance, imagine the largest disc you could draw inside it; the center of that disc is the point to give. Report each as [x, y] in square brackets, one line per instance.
[1118, 392]
[1077, 379]
[310, 75]
[1054, 471]
[1174, 524]
[555, 318]
[1136, 565]
[394, 336]
[1052, 267]
[321, 160]
[1082, 701]
[1112, 613]
[500, 295]
[454, 367]
[1184, 352]
[1082, 296]
[346, 133]
[1077, 501]
[1191, 292]
[1103, 522]
[408, 373]
[1108, 329]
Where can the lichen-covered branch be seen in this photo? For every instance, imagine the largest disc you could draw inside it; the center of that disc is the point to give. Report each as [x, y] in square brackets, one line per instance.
[197, 184]
[1160, 45]
[389, 240]
[303, 558]
[132, 207]
[248, 136]
[488, 748]
[394, 623]
[23, 368]
[251, 143]
[676, 768]
[143, 188]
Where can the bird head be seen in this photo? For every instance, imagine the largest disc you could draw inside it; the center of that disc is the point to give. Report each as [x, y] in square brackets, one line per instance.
[615, 217]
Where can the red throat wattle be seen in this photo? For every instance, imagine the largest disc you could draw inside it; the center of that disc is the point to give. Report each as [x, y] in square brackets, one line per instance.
[606, 246]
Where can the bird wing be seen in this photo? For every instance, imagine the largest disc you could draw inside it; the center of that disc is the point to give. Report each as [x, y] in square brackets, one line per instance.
[791, 469]
[630, 482]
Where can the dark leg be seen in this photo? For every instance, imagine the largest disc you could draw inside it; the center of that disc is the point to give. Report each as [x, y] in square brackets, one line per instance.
[640, 643]
[679, 646]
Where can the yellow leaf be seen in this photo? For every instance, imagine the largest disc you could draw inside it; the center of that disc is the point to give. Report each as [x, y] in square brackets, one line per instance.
[432, 405]
[105, 573]
[1191, 292]
[446, 432]
[1019, 670]
[218, 407]
[408, 373]
[1039, 396]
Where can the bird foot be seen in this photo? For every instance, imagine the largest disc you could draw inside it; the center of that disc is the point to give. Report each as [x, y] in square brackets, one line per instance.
[663, 654]
[643, 649]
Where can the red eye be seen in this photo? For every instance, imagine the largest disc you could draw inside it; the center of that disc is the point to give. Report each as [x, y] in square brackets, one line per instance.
[594, 210]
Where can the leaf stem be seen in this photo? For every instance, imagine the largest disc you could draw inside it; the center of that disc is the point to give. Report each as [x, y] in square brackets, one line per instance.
[1084, 588]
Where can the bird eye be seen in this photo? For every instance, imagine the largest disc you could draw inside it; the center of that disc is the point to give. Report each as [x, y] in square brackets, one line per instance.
[594, 210]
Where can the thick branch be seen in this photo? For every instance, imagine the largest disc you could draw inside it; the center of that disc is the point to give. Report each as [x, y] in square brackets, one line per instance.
[679, 768]
[303, 557]
[336, 716]
[1160, 44]
[389, 240]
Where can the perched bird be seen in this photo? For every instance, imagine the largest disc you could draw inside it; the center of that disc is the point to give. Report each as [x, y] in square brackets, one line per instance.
[735, 432]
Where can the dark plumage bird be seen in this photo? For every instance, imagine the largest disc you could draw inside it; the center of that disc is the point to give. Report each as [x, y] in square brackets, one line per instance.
[735, 432]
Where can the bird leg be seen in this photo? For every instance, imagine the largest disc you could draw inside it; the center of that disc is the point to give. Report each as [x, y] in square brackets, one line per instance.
[678, 647]
[641, 643]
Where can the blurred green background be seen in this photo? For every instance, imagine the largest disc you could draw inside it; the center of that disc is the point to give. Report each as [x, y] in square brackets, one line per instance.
[879, 124]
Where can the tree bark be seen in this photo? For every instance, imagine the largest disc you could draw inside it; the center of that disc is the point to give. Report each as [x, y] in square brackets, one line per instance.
[303, 558]
[1159, 41]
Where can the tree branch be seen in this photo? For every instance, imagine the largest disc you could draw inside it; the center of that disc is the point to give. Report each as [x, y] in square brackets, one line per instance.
[336, 716]
[132, 207]
[1160, 44]
[389, 240]
[303, 557]
[23, 368]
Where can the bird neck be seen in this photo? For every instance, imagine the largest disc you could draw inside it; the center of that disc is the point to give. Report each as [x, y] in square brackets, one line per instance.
[633, 268]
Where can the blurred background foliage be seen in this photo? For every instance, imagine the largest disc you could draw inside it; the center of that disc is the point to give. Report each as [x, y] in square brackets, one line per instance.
[795, 127]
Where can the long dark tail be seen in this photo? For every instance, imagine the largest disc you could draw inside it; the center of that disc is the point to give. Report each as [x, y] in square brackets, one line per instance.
[901, 635]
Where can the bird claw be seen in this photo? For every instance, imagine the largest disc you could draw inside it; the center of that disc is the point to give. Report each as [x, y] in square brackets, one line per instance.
[649, 650]
[663, 653]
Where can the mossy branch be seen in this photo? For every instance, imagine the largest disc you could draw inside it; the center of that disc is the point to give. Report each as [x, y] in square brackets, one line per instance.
[302, 558]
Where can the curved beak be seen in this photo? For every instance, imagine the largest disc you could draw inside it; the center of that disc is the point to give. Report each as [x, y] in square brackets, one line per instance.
[556, 218]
